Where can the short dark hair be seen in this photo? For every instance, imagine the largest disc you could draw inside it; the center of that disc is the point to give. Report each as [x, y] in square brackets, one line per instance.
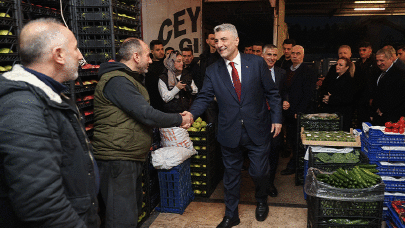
[365, 44]
[289, 41]
[258, 44]
[401, 47]
[128, 48]
[153, 43]
[187, 49]
[169, 48]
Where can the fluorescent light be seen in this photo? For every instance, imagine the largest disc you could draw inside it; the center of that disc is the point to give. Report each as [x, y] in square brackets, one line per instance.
[369, 2]
[369, 8]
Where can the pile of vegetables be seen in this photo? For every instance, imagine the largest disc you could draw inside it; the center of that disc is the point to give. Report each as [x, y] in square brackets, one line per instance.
[352, 157]
[361, 176]
[397, 127]
[399, 207]
[339, 136]
[348, 221]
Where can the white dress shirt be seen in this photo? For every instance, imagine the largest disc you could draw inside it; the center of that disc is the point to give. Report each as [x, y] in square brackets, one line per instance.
[168, 95]
[238, 66]
[273, 75]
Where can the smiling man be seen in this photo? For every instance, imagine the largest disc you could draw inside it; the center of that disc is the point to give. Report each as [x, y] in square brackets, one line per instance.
[278, 76]
[242, 84]
[389, 96]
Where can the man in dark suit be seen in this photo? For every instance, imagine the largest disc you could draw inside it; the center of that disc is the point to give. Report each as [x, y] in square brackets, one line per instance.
[389, 96]
[241, 84]
[299, 86]
[278, 76]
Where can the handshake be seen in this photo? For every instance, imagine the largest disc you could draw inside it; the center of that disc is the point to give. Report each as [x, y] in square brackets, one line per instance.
[188, 119]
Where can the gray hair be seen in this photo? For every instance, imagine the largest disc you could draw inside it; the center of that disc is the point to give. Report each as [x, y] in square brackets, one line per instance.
[128, 48]
[38, 37]
[227, 27]
[268, 46]
[391, 49]
[386, 52]
[345, 46]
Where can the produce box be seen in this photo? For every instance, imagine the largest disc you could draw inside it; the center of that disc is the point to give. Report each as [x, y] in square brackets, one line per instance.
[390, 169]
[321, 121]
[336, 213]
[382, 153]
[391, 196]
[394, 184]
[397, 213]
[176, 192]
[330, 162]
[376, 135]
[330, 138]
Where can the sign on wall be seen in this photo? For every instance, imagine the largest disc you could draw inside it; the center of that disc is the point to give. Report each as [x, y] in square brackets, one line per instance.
[176, 23]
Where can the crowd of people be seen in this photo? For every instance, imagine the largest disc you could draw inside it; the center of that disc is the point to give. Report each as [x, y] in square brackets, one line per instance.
[51, 175]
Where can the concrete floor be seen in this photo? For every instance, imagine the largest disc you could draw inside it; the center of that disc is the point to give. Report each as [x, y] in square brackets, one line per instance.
[208, 213]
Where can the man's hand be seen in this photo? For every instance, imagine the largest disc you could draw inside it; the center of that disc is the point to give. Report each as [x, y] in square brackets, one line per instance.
[276, 128]
[286, 105]
[379, 112]
[187, 119]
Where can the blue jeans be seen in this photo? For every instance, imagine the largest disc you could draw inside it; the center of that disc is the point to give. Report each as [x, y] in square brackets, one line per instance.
[121, 190]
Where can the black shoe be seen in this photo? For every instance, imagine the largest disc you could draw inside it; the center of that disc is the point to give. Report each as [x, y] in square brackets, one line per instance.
[262, 210]
[229, 222]
[273, 191]
[287, 171]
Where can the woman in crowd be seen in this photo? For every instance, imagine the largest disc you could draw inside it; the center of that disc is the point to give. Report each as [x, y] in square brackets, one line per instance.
[176, 86]
[339, 91]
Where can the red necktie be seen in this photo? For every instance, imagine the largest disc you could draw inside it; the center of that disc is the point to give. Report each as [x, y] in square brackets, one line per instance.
[235, 79]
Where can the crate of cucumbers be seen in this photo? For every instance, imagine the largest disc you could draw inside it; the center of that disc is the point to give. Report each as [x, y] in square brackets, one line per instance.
[345, 198]
[321, 121]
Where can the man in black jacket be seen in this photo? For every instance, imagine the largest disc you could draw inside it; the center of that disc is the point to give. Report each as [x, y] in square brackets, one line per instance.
[154, 71]
[389, 96]
[299, 86]
[285, 60]
[191, 66]
[48, 177]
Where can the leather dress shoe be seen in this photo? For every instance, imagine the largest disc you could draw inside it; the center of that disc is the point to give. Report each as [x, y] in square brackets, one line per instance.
[287, 171]
[273, 191]
[262, 210]
[228, 222]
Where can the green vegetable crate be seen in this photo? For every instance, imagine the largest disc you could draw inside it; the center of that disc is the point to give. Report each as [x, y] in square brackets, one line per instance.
[330, 138]
[206, 167]
[330, 162]
[313, 122]
[336, 213]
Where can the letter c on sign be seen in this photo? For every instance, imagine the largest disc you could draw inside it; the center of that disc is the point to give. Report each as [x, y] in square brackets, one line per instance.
[167, 23]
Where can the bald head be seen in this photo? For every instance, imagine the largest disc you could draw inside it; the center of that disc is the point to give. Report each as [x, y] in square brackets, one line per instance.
[39, 37]
[297, 55]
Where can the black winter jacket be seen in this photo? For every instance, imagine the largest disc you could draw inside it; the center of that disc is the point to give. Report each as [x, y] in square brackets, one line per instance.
[47, 176]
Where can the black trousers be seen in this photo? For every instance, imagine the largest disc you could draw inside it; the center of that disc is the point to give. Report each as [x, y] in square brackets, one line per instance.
[275, 148]
[259, 170]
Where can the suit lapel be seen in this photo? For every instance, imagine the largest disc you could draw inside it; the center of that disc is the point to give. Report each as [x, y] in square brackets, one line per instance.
[245, 75]
[277, 76]
[226, 79]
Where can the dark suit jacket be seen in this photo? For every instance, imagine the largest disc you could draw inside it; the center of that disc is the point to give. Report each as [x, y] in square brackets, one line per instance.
[257, 86]
[279, 74]
[301, 91]
[389, 95]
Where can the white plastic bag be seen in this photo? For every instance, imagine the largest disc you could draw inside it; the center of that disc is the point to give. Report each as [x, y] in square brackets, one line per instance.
[169, 157]
[176, 137]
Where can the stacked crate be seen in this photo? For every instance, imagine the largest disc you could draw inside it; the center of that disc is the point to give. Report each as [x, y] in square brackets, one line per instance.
[387, 151]
[8, 35]
[206, 167]
[312, 122]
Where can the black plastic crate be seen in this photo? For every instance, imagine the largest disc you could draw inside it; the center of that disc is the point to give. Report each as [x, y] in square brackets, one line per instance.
[93, 14]
[105, 3]
[320, 122]
[94, 27]
[8, 39]
[322, 210]
[330, 167]
[204, 188]
[95, 41]
[9, 57]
